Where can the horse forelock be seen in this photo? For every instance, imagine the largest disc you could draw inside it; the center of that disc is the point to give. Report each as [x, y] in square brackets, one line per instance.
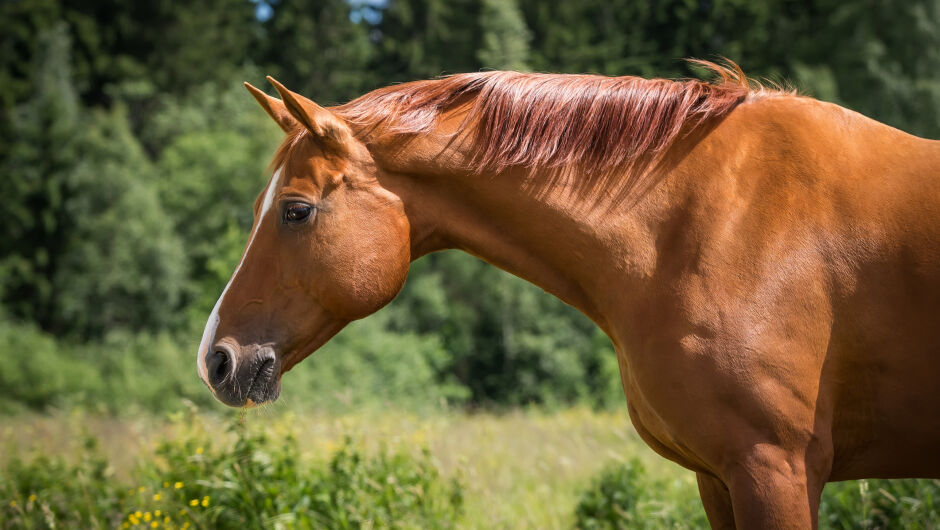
[539, 121]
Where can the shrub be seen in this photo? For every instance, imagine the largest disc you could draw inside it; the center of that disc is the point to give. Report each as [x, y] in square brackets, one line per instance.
[128, 373]
[623, 497]
[880, 503]
[49, 492]
[35, 373]
[256, 482]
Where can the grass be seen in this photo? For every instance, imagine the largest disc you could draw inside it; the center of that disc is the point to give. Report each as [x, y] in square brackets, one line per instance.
[523, 469]
[384, 467]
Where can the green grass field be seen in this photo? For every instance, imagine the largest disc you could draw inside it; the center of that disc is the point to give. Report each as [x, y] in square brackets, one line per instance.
[519, 470]
[282, 469]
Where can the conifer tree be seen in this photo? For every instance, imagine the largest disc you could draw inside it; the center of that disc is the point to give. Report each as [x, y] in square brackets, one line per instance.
[505, 42]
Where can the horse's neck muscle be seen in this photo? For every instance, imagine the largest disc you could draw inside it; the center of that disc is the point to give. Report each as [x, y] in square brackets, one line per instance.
[552, 234]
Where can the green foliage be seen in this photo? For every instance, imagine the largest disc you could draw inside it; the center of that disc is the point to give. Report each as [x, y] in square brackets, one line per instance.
[302, 52]
[128, 373]
[505, 43]
[624, 497]
[22, 24]
[137, 372]
[427, 38]
[130, 51]
[258, 481]
[121, 373]
[49, 492]
[881, 504]
[36, 169]
[86, 228]
[35, 373]
[120, 255]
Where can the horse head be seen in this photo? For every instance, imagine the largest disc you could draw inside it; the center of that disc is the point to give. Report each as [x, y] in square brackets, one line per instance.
[328, 245]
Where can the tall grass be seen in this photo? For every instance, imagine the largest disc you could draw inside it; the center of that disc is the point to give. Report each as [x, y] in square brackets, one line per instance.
[523, 469]
[242, 478]
[278, 468]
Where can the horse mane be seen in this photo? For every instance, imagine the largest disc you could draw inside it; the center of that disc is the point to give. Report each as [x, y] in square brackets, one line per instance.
[596, 124]
[535, 120]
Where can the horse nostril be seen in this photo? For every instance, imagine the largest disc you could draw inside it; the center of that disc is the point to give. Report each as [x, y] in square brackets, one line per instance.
[219, 366]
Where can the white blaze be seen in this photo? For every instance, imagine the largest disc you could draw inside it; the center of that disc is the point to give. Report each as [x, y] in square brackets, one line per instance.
[208, 336]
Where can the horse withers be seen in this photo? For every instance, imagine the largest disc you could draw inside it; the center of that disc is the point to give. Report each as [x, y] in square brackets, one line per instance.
[766, 265]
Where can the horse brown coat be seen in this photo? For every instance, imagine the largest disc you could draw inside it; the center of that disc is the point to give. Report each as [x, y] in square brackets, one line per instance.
[766, 265]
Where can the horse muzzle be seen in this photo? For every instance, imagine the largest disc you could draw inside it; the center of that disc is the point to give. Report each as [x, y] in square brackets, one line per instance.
[243, 377]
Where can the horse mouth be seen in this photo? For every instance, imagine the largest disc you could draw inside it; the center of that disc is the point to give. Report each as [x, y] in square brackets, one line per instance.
[264, 386]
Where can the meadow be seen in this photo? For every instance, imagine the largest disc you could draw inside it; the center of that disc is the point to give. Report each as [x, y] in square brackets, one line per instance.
[278, 468]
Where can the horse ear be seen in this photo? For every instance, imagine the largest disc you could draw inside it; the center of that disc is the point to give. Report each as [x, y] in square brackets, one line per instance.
[322, 123]
[275, 108]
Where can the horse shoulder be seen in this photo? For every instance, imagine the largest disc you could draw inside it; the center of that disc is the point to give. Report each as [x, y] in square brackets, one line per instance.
[804, 270]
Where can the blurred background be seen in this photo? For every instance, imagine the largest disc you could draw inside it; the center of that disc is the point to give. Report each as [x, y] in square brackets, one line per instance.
[130, 157]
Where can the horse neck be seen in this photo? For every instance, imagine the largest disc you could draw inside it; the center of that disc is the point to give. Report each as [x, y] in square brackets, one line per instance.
[547, 230]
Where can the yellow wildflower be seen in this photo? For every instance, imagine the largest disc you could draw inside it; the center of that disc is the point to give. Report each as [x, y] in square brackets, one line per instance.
[178, 485]
[166, 484]
[125, 524]
[205, 501]
[32, 498]
[133, 520]
[138, 514]
[182, 512]
[157, 497]
[154, 524]
[147, 517]
[157, 513]
[194, 502]
[185, 525]
[12, 504]
[199, 450]
[166, 520]
[141, 489]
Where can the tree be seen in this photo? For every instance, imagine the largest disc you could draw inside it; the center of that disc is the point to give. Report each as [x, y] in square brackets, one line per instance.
[89, 246]
[505, 43]
[36, 169]
[314, 47]
[421, 39]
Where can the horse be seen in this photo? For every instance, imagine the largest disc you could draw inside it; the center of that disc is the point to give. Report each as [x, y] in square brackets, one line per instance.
[766, 265]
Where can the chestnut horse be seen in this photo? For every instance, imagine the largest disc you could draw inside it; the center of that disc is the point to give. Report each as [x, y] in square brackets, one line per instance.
[766, 265]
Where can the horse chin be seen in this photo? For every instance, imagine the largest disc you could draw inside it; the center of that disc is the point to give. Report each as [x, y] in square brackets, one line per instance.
[250, 404]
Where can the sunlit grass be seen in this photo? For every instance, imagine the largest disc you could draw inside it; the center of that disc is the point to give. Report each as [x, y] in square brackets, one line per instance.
[522, 469]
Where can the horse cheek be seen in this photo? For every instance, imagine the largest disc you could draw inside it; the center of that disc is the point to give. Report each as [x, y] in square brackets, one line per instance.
[364, 271]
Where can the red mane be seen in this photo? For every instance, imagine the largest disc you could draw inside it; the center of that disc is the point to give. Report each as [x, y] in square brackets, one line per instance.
[593, 122]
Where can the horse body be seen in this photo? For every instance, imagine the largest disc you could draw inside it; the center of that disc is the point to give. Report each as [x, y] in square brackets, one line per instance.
[772, 291]
[784, 297]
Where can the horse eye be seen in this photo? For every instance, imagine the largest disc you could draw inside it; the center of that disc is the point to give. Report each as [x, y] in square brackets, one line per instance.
[297, 212]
